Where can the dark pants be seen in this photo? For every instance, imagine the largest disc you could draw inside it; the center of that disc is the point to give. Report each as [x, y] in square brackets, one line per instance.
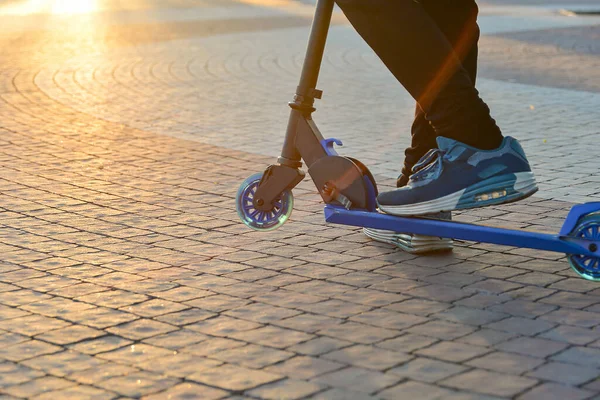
[431, 48]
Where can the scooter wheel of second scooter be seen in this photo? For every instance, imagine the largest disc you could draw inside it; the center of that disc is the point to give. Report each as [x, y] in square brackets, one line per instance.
[257, 219]
[588, 267]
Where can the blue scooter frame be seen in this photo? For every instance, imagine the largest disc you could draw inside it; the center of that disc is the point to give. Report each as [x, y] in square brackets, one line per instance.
[264, 200]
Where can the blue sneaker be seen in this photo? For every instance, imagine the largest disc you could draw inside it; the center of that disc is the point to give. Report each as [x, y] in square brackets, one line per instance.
[457, 176]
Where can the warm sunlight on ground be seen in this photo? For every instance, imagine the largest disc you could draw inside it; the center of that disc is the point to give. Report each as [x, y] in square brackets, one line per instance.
[27, 7]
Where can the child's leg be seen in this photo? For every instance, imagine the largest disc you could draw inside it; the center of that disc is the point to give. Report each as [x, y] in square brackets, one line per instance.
[423, 134]
[408, 40]
[475, 166]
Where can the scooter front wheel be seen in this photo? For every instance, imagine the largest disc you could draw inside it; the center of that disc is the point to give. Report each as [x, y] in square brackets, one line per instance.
[257, 219]
[588, 267]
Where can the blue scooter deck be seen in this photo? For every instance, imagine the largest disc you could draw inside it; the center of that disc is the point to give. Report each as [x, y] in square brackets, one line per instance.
[464, 231]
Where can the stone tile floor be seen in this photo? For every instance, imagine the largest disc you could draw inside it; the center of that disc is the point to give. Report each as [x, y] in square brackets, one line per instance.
[125, 272]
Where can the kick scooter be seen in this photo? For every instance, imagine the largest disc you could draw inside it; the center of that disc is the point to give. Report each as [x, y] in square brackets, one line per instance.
[264, 200]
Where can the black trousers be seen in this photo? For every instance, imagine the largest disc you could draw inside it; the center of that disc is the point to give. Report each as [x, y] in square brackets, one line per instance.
[431, 47]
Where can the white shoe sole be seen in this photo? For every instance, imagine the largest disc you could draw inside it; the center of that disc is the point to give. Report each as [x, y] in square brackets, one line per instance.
[414, 244]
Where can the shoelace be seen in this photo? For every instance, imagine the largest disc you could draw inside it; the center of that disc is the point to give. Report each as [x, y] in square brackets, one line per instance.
[431, 160]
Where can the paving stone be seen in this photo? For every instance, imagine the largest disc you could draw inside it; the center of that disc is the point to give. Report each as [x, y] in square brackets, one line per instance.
[536, 278]
[388, 319]
[187, 390]
[38, 386]
[302, 367]
[273, 336]
[357, 379]
[231, 377]
[309, 323]
[368, 357]
[571, 300]
[137, 384]
[182, 293]
[507, 363]
[11, 312]
[573, 317]
[7, 339]
[486, 337]
[483, 300]
[57, 307]
[359, 279]
[411, 389]
[217, 303]
[63, 363]
[15, 374]
[287, 298]
[427, 370]
[101, 317]
[188, 316]
[453, 279]
[141, 329]
[287, 389]
[522, 326]
[135, 353]
[100, 345]
[318, 346]
[567, 374]
[223, 326]
[397, 285]
[316, 271]
[358, 333]
[178, 365]
[407, 343]
[211, 346]
[579, 355]
[572, 335]
[441, 330]
[252, 356]
[574, 285]
[76, 392]
[530, 293]
[176, 339]
[452, 351]
[496, 384]
[371, 298]
[341, 394]
[470, 316]
[533, 347]
[418, 306]
[262, 313]
[439, 293]
[495, 286]
[593, 385]
[499, 272]
[523, 308]
[319, 288]
[70, 334]
[153, 308]
[28, 349]
[555, 391]
[32, 324]
[104, 371]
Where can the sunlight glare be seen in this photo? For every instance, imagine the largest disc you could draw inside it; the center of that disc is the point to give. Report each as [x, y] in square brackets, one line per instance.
[25, 7]
[74, 6]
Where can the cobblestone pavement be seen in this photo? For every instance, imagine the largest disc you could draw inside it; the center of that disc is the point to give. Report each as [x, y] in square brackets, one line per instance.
[125, 272]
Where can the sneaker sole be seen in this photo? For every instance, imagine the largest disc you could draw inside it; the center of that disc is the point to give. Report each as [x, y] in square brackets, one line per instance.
[414, 244]
[494, 191]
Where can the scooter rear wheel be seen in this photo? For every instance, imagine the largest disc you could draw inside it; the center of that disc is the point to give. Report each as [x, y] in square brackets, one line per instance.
[587, 267]
[257, 219]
